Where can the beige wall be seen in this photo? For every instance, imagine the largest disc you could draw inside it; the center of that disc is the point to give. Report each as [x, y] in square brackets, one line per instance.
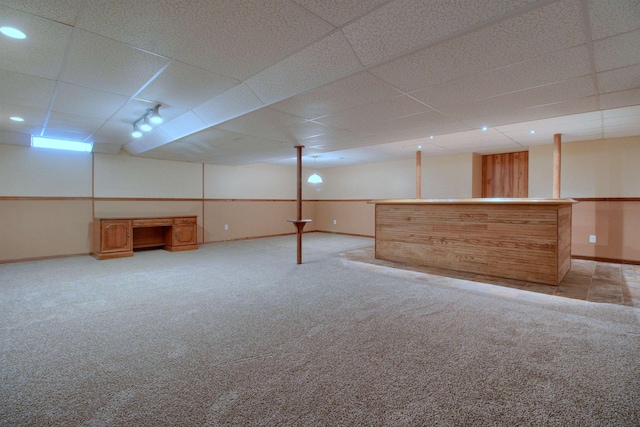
[445, 177]
[126, 176]
[46, 195]
[387, 180]
[40, 172]
[351, 217]
[616, 225]
[40, 228]
[602, 168]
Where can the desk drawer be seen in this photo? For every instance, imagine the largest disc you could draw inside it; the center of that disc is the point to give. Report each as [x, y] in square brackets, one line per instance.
[186, 220]
[152, 222]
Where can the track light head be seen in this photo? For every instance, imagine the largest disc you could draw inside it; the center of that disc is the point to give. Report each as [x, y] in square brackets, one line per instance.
[154, 115]
[136, 131]
[145, 126]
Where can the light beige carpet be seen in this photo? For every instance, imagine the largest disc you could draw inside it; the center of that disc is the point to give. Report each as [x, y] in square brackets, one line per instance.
[237, 334]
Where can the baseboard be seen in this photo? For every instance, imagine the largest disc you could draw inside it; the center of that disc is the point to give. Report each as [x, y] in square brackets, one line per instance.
[611, 260]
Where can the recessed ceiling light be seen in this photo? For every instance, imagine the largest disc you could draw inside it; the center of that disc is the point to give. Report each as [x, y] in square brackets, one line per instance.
[431, 137]
[484, 128]
[14, 33]
[17, 119]
[532, 131]
[419, 147]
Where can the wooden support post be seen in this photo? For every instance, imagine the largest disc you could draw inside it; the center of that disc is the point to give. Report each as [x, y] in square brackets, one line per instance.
[418, 174]
[299, 222]
[557, 162]
[299, 216]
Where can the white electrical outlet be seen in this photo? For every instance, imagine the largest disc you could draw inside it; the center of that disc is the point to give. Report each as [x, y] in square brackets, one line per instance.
[226, 226]
[334, 222]
[592, 238]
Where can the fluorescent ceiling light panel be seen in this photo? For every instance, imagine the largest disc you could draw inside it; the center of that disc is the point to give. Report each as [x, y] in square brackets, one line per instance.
[61, 144]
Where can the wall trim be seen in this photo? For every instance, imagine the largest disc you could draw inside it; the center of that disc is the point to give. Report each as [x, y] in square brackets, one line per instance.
[40, 198]
[611, 260]
[253, 200]
[41, 258]
[145, 199]
[606, 199]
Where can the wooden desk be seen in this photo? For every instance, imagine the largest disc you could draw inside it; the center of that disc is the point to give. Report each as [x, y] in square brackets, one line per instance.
[118, 237]
[524, 239]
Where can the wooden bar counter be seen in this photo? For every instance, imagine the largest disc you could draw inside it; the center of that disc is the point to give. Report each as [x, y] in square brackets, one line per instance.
[524, 239]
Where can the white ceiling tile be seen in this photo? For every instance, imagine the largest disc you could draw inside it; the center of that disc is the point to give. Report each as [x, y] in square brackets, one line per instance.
[619, 79]
[158, 27]
[236, 101]
[401, 26]
[359, 89]
[63, 11]
[15, 138]
[248, 36]
[550, 68]
[609, 18]
[134, 148]
[539, 96]
[107, 65]
[33, 119]
[323, 62]
[24, 90]
[623, 98]
[621, 112]
[618, 51]
[113, 132]
[260, 121]
[551, 28]
[77, 128]
[339, 12]
[83, 101]
[41, 53]
[185, 124]
[185, 86]
[622, 131]
[374, 113]
[553, 122]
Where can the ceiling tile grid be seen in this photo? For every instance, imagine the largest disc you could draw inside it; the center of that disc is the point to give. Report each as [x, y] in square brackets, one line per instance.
[248, 36]
[41, 54]
[243, 81]
[405, 25]
[104, 64]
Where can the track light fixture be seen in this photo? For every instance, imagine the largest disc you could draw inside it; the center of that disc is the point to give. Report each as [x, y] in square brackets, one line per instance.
[143, 123]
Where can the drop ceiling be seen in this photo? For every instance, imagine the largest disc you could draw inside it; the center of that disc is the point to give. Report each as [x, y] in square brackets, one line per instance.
[244, 81]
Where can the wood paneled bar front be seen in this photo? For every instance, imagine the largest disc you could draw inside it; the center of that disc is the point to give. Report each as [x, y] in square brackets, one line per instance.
[523, 239]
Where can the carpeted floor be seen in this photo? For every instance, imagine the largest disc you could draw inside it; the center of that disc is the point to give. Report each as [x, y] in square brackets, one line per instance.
[237, 334]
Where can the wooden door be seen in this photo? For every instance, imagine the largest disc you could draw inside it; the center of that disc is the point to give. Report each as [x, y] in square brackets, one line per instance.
[115, 236]
[505, 175]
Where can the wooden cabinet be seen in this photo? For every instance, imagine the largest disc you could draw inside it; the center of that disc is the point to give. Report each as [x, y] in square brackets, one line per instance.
[114, 238]
[183, 234]
[119, 237]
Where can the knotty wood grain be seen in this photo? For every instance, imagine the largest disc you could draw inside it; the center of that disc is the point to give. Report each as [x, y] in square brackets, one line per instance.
[523, 241]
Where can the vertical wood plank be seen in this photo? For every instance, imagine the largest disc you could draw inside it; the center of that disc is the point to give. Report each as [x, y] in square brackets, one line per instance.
[505, 175]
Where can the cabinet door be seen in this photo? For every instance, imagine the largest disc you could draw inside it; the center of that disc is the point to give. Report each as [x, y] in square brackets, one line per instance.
[115, 236]
[184, 235]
